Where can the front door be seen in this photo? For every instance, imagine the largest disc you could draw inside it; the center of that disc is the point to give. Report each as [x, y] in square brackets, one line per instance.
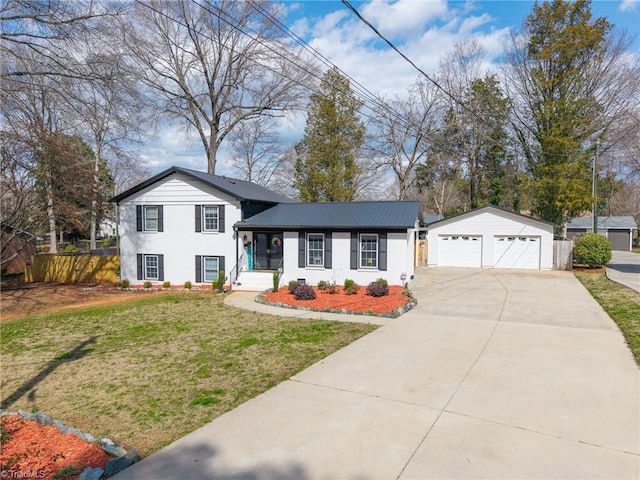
[268, 251]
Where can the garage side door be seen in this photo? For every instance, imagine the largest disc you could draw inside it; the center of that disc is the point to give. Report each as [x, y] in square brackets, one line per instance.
[516, 252]
[460, 250]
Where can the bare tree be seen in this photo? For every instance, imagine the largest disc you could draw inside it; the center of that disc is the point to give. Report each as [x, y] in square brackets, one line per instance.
[107, 106]
[256, 150]
[213, 65]
[44, 29]
[403, 134]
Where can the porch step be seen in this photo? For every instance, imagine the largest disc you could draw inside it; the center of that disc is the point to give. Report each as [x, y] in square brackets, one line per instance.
[253, 281]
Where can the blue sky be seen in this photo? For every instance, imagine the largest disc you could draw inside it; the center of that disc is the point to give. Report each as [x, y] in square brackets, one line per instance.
[423, 29]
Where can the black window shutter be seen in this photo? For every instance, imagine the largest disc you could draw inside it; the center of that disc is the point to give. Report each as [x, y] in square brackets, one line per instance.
[161, 268]
[221, 264]
[198, 268]
[354, 250]
[139, 218]
[160, 218]
[327, 250]
[221, 218]
[140, 273]
[382, 251]
[198, 218]
[302, 240]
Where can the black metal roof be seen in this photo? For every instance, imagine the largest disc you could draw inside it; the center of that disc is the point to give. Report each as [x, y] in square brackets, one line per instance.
[398, 215]
[240, 189]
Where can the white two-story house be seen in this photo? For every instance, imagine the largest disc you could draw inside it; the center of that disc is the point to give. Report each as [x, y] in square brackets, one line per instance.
[183, 225]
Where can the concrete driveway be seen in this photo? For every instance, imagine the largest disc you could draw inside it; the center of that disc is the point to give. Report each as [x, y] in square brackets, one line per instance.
[624, 268]
[496, 374]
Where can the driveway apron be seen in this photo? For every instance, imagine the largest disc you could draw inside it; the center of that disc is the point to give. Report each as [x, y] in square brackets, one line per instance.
[624, 268]
[495, 374]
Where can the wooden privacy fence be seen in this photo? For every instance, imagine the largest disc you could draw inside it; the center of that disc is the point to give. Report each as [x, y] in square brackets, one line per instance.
[562, 254]
[83, 268]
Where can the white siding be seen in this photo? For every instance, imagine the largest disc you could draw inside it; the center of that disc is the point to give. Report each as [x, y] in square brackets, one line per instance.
[399, 261]
[179, 242]
[488, 224]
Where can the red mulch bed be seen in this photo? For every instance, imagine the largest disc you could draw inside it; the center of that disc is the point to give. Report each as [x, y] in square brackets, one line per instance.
[357, 303]
[32, 450]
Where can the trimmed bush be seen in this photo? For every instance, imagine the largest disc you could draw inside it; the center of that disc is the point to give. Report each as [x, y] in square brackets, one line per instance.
[332, 288]
[322, 285]
[166, 285]
[293, 285]
[592, 249]
[379, 288]
[187, 285]
[305, 292]
[124, 283]
[351, 287]
[275, 281]
[148, 284]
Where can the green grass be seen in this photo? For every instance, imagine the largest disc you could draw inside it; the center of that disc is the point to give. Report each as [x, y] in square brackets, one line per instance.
[146, 372]
[620, 302]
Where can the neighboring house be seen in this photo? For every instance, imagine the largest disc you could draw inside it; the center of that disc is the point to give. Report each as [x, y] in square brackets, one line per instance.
[178, 225]
[619, 230]
[182, 225]
[333, 241]
[491, 236]
[17, 248]
[107, 228]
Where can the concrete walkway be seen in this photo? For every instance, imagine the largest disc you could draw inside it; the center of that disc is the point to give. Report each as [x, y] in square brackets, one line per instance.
[624, 268]
[495, 374]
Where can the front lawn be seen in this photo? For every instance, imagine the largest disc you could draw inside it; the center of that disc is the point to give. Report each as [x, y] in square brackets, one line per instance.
[620, 302]
[149, 371]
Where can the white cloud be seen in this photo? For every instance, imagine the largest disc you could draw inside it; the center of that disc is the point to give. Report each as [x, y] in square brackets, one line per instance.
[629, 5]
[403, 16]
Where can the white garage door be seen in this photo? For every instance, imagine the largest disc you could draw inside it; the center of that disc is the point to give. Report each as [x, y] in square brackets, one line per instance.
[516, 252]
[460, 250]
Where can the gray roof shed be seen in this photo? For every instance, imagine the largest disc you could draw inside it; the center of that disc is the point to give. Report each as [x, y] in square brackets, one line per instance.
[613, 223]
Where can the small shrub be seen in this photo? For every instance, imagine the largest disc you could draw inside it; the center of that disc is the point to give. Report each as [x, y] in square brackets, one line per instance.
[351, 287]
[379, 288]
[276, 281]
[166, 284]
[332, 288]
[70, 248]
[187, 285]
[293, 286]
[148, 284]
[322, 285]
[218, 284]
[125, 283]
[592, 249]
[305, 292]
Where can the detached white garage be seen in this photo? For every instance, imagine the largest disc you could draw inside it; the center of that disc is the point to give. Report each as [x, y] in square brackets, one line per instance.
[491, 236]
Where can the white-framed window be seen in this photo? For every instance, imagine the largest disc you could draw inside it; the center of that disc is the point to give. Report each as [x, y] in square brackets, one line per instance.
[151, 216]
[151, 267]
[315, 250]
[210, 218]
[210, 267]
[368, 254]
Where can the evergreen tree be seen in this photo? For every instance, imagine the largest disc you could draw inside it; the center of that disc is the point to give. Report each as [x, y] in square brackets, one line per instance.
[326, 165]
[556, 77]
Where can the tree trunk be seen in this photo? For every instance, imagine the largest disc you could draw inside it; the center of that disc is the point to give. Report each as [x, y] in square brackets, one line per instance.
[53, 241]
[94, 198]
